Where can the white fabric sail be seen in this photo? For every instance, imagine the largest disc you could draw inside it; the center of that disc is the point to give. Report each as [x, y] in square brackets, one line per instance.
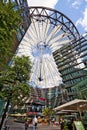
[39, 42]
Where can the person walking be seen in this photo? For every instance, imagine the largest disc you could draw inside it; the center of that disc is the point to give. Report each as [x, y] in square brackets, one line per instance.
[34, 123]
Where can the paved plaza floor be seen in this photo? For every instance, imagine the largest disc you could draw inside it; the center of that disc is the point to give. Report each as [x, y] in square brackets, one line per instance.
[20, 126]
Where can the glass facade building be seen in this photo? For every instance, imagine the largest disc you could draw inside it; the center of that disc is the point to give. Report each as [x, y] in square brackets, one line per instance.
[72, 64]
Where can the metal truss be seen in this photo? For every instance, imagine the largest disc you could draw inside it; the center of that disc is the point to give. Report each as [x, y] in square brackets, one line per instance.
[55, 17]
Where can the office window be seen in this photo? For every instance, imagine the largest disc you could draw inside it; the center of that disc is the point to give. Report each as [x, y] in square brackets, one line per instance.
[19, 36]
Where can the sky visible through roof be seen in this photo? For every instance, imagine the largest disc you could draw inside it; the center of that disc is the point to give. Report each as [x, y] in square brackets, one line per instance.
[75, 10]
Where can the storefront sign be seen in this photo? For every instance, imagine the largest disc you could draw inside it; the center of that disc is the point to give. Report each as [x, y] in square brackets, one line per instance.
[79, 125]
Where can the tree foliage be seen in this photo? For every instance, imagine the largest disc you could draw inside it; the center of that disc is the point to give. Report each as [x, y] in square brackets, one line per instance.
[9, 22]
[14, 85]
[80, 89]
[14, 81]
[47, 112]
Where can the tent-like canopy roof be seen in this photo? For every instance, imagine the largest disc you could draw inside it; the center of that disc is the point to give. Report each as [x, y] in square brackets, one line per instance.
[46, 34]
[77, 104]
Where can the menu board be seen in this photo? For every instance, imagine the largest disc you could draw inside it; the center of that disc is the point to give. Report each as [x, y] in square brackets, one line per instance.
[79, 125]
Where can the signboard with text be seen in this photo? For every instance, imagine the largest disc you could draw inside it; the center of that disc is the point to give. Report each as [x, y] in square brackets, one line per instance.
[79, 125]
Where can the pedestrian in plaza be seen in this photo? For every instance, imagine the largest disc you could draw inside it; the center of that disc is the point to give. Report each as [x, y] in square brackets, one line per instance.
[26, 125]
[34, 123]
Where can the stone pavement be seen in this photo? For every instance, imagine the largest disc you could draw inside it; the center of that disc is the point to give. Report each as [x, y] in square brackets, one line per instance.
[20, 126]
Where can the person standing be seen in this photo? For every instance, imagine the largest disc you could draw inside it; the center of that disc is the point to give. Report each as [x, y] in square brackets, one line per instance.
[34, 123]
[26, 125]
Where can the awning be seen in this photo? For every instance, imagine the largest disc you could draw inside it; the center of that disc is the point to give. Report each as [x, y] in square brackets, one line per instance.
[77, 104]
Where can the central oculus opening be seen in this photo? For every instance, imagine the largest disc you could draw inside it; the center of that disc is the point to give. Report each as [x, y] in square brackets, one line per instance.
[41, 46]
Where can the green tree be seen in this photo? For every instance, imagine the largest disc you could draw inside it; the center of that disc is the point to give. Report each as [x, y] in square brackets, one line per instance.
[9, 22]
[48, 112]
[14, 83]
[80, 90]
